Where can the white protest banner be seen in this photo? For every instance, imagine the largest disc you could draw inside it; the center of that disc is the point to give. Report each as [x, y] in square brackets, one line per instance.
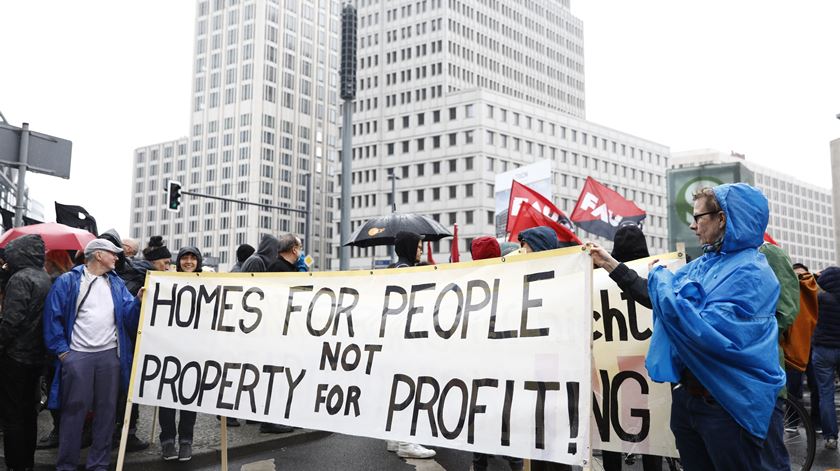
[630, 412]
[491, 356]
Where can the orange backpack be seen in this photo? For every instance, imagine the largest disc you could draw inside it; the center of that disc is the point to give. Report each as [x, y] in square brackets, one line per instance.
[796, 342]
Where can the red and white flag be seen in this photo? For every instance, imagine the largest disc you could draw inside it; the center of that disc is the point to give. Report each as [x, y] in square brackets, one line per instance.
[520, 193]
[601, 211]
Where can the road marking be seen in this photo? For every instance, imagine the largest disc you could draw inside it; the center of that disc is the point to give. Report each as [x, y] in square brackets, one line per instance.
[425, 465]
[264, 465]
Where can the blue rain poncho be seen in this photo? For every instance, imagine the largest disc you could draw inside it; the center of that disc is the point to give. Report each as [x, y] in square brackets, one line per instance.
[716, 316]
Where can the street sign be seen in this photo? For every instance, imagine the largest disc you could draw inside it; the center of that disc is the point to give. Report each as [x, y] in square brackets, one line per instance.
[47, 154]
[381, 263]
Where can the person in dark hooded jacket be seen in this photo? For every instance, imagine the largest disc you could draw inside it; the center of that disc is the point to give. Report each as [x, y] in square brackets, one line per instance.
[409, 247]
[242, 253]
[825, 350]
[264, 257]
[22, 348]
[537, 239]
[260, 262]
[188, 260]
[628, 244]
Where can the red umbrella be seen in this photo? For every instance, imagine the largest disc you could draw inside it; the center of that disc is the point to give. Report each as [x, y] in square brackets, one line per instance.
[55, 235]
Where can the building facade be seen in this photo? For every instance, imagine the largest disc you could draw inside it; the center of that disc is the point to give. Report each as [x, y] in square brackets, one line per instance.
[263, 122]
[801, 214]
[451, 93]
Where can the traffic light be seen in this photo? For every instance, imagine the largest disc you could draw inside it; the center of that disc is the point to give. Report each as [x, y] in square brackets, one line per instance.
[173, 195]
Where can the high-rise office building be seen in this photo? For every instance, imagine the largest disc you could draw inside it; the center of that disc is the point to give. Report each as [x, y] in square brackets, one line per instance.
[801, 218]
[263, 121]
[452, 92]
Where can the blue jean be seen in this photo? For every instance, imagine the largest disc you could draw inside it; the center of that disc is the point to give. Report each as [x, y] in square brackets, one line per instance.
[708, 438]
[826, 362]
[167, 425]
[774, 454]
[89, 381]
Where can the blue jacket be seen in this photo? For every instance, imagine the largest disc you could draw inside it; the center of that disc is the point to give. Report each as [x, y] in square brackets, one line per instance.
[716, 316]
[827, 332]
[60, 317]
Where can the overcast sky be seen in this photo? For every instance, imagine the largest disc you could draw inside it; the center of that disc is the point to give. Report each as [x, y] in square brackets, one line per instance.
[760, 78]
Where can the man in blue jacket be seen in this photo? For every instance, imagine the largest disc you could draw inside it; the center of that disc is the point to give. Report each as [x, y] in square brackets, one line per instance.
[715, 334]
[89, 317]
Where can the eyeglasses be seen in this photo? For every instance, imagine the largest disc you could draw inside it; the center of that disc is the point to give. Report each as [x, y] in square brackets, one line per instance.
[698, 216]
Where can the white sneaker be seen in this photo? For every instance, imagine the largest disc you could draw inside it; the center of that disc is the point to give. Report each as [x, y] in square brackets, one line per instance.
[413, 450]
[392, 445]
[830, 444]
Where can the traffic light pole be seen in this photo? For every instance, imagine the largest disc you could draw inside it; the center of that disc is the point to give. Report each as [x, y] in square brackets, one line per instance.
[267, 206]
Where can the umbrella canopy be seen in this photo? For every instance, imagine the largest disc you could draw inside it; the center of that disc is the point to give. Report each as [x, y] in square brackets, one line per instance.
[381, 230]
[55, 235]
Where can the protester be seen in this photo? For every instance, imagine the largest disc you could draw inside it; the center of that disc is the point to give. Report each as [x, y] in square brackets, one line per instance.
[242, 253]
[264, 257]
[133, 274]
[408, 247]
[56, 263]
[774, 455]
[88, 317]
[22, 349]
[508, 247]
[259, 262]
[715, 334]
[482, 248]
[797, 344]
[825, 349]
[188, 260]
[289, 248]
[537, 239]
[628, 244]
[130, 247]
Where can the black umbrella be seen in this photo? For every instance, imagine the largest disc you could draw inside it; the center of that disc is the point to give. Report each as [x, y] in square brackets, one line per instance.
[381, 230]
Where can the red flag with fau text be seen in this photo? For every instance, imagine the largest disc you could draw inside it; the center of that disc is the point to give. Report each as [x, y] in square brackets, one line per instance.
[520, 193]
[528, 217]
[601, 211]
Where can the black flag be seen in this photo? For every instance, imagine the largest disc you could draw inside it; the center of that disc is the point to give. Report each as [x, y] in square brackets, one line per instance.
[75, 216]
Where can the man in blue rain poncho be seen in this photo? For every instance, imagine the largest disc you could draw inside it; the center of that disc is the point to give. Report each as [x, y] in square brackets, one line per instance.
[715, 334]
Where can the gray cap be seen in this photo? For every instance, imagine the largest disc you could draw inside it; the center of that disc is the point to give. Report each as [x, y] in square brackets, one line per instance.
[100, 244]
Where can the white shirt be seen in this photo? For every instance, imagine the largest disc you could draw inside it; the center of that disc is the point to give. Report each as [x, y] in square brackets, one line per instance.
[95, 329]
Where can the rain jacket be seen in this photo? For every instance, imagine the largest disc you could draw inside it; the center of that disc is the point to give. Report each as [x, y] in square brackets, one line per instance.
[716, 316]
[787, 308]
[827, 333]
[60, 317]
[265, 255]
[21, 336]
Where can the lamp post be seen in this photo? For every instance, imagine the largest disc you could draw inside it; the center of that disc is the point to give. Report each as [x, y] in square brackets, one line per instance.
[393, 177]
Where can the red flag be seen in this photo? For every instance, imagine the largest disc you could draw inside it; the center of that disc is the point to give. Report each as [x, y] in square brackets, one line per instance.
[454, 255]
[601, 211]
[768, 238]
[529, 217]
[429, 258]
[520, 193]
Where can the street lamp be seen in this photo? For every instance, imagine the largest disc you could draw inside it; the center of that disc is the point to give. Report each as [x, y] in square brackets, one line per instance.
[393, 177]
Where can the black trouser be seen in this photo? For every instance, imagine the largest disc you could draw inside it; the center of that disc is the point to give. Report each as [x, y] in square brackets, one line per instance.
[614, 460]
[135, 414]
[19, 398]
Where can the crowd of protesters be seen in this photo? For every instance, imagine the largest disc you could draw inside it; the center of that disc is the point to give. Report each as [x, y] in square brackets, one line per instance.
[736, 331]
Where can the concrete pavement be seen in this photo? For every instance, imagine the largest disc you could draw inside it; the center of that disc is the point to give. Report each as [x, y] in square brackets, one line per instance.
[242, 441]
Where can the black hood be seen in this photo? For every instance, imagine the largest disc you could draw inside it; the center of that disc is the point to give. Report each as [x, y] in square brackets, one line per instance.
[25, 252]
[267, 249]
[629, 244]
[405, 246]
[829, 280]
[191, 250]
